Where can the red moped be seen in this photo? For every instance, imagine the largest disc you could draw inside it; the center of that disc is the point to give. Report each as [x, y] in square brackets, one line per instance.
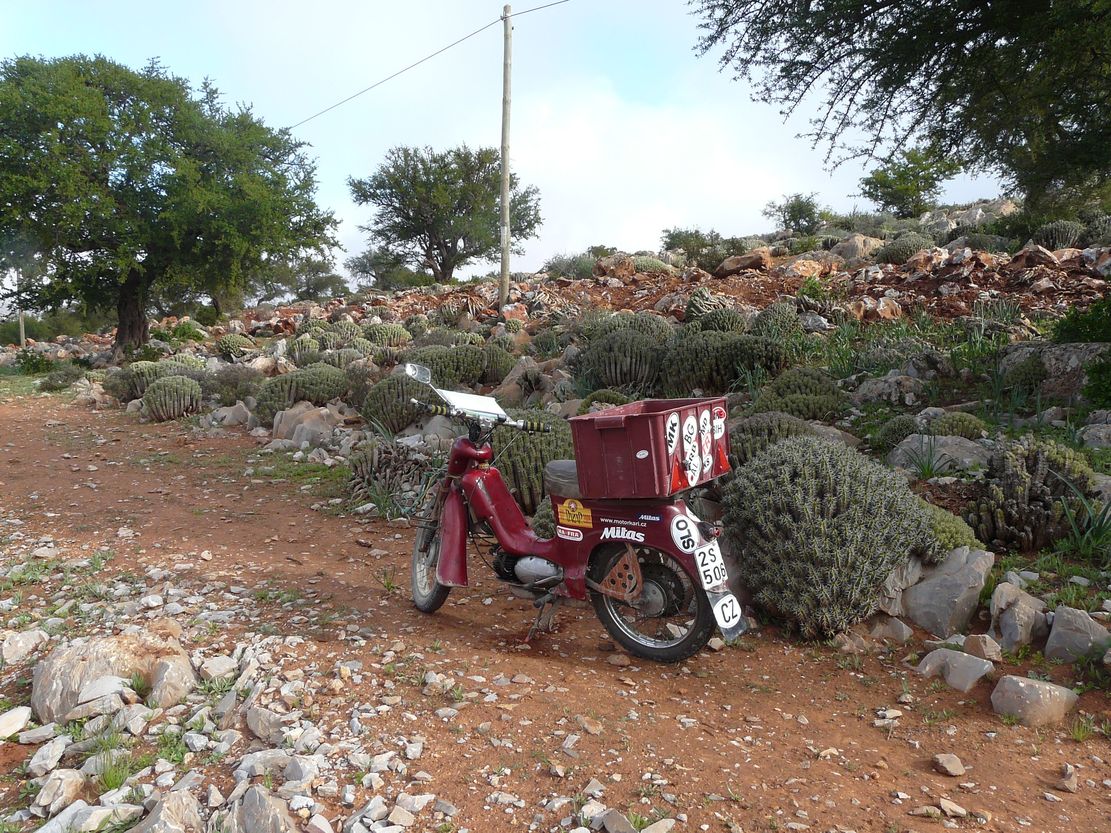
[652, 570]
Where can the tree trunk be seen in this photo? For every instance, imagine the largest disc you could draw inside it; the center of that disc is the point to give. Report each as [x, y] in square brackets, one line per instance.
[131, 307]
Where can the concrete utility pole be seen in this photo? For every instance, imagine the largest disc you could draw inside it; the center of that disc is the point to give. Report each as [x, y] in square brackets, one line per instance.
[22, 331]
[503, 286]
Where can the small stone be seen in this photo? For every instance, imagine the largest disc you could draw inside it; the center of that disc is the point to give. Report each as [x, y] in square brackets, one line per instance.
[1069, 782]
[318, 824]
[14, 721]
[952, 809]
[1033, 702]
[948, 764]
[589, 724]
[620, 660]
[401, 816]
[983, 646]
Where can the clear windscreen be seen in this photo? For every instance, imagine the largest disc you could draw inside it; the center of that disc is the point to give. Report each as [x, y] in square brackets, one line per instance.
[480, 407]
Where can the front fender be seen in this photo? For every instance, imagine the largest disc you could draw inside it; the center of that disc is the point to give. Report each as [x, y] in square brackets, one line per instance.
[451, 567]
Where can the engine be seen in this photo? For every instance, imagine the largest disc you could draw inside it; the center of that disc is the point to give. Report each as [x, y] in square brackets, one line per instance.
[537, 572]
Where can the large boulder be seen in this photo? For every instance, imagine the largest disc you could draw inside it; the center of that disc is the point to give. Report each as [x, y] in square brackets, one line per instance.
[857, 246]
[618, 265]
[259, 812]
[896, 388]
[305, 423]
[1096, 436]
[959, 670]
[1017, 618]
[954, 452]
[898, 580]
[758, 259]
[71, 670]
[1032, 702]
[1075, 635]
[1064, 364]
[944, 600]
[176, 812]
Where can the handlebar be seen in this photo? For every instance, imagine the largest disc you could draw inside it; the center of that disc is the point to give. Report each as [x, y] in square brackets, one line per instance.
[533, 426]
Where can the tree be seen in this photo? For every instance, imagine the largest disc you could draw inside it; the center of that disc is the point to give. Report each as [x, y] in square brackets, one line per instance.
[302, 277]
[909, 184]
[797, 212]
[377, 269]
[1020, 89]
[439, 210]
[129, 182]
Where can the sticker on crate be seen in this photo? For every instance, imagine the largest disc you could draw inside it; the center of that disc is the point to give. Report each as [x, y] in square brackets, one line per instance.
[569, 534]
[683, 533]
[672, 432]
[573, 513]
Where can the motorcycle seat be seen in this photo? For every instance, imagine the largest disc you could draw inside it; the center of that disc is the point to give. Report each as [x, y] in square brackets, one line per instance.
[561, 477]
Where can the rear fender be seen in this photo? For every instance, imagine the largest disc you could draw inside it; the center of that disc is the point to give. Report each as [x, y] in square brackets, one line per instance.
[451, 568]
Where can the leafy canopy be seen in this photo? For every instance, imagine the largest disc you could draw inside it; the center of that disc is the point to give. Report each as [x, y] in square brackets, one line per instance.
[130, 181]
[797, 212]
[1022, 88]
[909, 184]
[439, 210]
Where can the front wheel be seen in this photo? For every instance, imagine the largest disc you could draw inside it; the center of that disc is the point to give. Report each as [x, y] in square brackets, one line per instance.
[428, 594]
[669, 621]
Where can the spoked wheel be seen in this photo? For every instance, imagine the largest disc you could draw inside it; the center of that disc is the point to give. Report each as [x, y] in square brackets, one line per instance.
[428, 594]
[671, 618]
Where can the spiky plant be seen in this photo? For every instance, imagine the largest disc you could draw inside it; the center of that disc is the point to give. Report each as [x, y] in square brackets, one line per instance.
[623, 358]
[172, 397]
[391, 473]
[452, 367]
[498, 364]
[390, 335]
[362, 374]
[543, 520]
[724, 320]
[417, 325]
[346, 330]
[341, 358]
[1025, 378]
[646, 323]
[236, 382]
[778, 322]
[701, 302]
[142, 374]
[514, 326]
[1059, 234]
[119, 382]
[750, 436]
[817, 528]
[606, 398]
[902, 249]
[234, 346]
[312, 325]
[318, 383]
[302, 348]
[388, 402]
[958, 424]
[521, 458]
[949, 530]
[1030, 482]
[893, 432]
[804, 392]
[329, 340]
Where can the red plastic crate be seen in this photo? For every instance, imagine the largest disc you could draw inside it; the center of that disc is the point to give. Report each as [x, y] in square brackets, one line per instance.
[652, 448]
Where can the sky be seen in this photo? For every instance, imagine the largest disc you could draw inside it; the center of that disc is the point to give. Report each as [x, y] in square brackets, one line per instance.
[620, 125]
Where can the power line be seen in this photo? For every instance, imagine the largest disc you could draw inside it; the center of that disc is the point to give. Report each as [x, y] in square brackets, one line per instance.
[422, 60]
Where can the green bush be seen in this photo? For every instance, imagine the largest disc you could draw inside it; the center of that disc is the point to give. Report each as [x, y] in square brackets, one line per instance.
[31, 362]
[751, 436]
[206, 316]
[580, 266]
[235, 382]
[645, 323]
[949, 530]
[317, 383]
[1097, 390]
[817, 528]
[701, 302]
[1059, 234]
[119, 382]
[715, 362]
[959, 424]
[452, 367]
[546, 344]
[902, 249]
[1098, 232]
[1090, 325]
[1026, 377]
[893, 432]
[187, 331]
[604, 397]
[498, 364]
[62, 376]
[654, 265]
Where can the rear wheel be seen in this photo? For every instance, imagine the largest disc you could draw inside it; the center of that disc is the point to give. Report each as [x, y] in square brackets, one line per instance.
[669, 621]
[428, 594]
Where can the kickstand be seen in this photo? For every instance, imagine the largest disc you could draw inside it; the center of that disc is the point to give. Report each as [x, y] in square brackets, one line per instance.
[545, 615]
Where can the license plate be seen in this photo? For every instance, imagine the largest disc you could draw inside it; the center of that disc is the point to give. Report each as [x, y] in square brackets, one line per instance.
[727, 612]
[711, 567]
